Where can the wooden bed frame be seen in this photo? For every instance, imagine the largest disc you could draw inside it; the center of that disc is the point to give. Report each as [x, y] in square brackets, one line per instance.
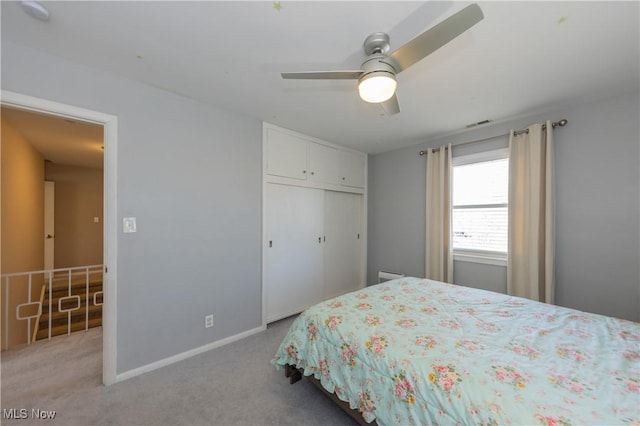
[295, 374]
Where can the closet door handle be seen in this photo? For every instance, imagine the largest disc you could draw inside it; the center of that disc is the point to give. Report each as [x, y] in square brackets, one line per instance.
[319, 239]
[270, 243]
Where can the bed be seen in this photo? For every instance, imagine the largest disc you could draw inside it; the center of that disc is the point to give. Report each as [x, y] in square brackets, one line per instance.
[417, 351]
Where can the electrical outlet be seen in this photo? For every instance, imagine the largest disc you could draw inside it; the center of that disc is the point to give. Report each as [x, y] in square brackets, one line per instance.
[208, 321]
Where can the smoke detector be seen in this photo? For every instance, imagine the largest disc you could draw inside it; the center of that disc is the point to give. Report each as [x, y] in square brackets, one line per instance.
[35, 9]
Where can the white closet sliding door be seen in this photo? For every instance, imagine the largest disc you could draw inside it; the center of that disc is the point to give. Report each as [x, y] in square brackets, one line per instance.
[294, 268]
[343, 245]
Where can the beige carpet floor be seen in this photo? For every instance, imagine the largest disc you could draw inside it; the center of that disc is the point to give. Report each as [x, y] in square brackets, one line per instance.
[231, 385]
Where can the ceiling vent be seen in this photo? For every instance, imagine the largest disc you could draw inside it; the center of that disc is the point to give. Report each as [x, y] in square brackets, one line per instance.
[479, 123]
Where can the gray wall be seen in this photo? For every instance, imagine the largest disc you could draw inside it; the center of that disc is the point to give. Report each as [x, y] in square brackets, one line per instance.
[597, 211]
[191, 174]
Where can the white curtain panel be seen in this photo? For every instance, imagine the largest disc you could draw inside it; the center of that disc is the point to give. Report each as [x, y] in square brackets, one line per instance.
[530, 267]
[438, 249]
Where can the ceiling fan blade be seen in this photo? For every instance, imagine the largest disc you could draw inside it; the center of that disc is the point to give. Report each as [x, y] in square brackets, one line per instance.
[437, 36]
[324, 75]
[391, 106]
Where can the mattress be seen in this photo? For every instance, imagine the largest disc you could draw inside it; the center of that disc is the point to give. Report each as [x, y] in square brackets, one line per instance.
[417, 351]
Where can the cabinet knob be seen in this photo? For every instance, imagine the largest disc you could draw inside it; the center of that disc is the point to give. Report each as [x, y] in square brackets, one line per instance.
[304, 171]
[312, 173]
[343, 178]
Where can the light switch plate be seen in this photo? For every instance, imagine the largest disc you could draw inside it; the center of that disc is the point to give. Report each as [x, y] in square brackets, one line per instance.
[128, 225]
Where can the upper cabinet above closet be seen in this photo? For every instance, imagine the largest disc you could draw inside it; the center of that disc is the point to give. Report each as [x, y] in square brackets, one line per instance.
[324, 163]
[352, 168]
[297, 159]
[286, 155]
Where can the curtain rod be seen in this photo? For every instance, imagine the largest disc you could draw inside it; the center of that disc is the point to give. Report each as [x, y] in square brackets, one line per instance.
[555, 124]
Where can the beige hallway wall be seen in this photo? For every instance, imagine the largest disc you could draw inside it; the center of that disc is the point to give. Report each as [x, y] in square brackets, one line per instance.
[22, 212]
[78, 201]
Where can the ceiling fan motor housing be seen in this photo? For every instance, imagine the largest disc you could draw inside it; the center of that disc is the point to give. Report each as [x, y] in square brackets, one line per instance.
[378, 63]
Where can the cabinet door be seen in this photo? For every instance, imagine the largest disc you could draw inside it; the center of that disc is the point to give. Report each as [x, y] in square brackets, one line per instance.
[324, 163]
[343, 245]
[352, 168]
[294, 269]
[286, 155]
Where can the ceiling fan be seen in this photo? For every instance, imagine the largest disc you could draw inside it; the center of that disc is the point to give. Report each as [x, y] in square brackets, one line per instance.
[377, 74]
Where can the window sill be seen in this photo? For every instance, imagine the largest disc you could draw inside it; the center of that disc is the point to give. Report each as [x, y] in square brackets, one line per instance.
[498, 259]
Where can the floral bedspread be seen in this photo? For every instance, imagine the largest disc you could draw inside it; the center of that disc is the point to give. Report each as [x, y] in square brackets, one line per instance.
[415, 351]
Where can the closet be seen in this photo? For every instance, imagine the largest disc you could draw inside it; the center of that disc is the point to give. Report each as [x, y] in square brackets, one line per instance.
[343, 244]
[314, 221]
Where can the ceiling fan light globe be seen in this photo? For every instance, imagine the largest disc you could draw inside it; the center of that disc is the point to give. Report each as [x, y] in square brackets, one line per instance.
[377, 87]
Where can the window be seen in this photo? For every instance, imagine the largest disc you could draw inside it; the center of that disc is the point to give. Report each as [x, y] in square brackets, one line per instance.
[480, 206]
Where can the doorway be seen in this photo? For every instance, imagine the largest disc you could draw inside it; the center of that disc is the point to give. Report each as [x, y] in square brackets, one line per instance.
[49, 223]
[109, 233]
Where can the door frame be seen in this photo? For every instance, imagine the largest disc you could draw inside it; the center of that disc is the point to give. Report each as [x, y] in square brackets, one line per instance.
[110, 230]
[49, 223]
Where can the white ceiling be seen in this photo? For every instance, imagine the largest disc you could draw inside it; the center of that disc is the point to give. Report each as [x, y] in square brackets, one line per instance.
[524, 57]
[60, 140]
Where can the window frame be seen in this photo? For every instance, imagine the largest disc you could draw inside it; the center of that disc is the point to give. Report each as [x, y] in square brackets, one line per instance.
[488, 257]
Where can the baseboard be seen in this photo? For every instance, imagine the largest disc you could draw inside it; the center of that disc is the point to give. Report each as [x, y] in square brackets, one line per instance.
[184, 355]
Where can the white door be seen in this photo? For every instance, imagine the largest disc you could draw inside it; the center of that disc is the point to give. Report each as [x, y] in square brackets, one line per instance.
[343, 246]
[49, 227]
[294, 250]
